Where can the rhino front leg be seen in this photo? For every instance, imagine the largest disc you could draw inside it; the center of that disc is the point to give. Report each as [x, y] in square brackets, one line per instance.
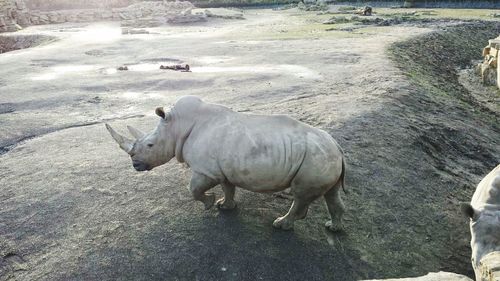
[227, 203]
[199, 185]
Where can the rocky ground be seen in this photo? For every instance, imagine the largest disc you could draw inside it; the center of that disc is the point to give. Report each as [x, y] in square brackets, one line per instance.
[12, 43]
[73, 208]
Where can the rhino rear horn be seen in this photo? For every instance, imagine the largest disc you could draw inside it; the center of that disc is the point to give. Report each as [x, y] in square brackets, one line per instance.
[135, 132]
[124, 142]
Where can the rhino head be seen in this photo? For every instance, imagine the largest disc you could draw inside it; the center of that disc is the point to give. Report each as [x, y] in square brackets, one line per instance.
[148, 150]
[485, 229]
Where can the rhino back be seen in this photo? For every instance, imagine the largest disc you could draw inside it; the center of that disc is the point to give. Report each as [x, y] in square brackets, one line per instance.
[255, 152]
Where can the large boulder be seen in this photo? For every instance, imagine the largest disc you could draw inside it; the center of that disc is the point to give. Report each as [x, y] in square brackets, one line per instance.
[219, 13]
[490, 267]
[433, 276]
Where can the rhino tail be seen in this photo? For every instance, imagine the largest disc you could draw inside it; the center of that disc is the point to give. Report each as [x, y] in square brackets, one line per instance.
[342, 175]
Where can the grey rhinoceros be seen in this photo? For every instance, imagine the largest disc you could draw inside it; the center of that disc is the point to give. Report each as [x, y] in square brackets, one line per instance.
[484, 214]
[256, 152]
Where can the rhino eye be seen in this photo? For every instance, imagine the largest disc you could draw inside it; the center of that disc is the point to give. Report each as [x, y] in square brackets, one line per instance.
[150, 145]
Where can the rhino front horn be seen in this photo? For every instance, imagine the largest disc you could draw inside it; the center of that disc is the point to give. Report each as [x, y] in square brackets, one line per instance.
[135, 132]
[124, 142]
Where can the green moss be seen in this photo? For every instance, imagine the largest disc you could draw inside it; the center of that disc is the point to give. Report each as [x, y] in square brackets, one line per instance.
[464, 14]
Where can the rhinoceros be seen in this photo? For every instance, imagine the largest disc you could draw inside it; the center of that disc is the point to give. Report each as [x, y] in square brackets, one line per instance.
[484, 214]
[260, 153]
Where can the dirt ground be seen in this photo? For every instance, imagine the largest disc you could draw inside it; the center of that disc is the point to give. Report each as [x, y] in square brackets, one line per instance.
[73, 208]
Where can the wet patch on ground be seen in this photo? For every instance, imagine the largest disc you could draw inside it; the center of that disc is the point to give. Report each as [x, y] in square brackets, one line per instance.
[6, 108]
[48, 62]
[447, 147]
[488, 95]
[161, 60]
[7, 145]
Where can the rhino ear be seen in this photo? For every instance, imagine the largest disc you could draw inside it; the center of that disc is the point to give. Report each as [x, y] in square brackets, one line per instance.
[469, 211]
[159, 111]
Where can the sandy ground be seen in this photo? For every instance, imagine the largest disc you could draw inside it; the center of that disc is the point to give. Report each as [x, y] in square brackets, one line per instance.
[73, 208]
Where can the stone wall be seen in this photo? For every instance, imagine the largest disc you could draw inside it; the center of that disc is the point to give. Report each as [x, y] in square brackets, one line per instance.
[13, 15]
[46, 5]
[489, 69]
[490, 267]
[433, 276]
[142, 14]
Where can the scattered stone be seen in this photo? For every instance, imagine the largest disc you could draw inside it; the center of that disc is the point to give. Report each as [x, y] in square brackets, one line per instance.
[122, 68]
[176, 67]
[337, 19]
[365, 11]
[220, 13]
[126, 30]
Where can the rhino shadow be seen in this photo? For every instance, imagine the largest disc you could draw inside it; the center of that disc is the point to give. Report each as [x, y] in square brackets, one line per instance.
[229, 245]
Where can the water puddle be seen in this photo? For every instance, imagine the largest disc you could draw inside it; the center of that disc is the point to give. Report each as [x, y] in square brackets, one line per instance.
[58, 71]
[99, 34]
[144, 67]
[137, 96]
[213, 59]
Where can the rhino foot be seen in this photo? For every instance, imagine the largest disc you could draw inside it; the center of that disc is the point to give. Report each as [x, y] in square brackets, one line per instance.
[222, 204]
[334, 227]
[283, 223]
[209, 200]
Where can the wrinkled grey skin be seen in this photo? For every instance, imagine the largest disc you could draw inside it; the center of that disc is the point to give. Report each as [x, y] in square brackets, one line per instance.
[255, 152]
[484, 214]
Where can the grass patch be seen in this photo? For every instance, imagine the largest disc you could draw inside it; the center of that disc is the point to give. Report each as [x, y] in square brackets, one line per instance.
[300, 25]
[241, 3]
[461, 14]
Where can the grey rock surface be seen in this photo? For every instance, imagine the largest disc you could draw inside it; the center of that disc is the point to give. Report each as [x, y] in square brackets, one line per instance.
[73, 208]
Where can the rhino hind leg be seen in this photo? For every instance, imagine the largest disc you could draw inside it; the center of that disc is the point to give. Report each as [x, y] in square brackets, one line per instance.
[199, 185]
[227, 202]
[336, 208]
[297, 211]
